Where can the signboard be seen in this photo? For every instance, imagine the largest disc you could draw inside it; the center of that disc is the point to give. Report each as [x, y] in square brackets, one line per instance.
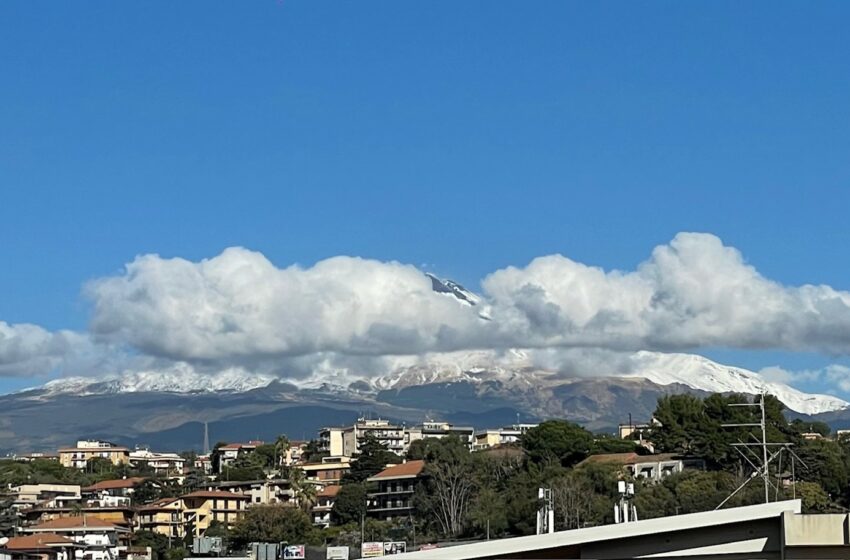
[293, 552]
[337, 553]
[372, 550]
[397, 547]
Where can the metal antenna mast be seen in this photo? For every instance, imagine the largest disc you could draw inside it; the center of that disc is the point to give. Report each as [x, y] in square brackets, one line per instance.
[762, 470]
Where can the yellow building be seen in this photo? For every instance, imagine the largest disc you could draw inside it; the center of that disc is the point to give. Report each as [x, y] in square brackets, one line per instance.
[87, 450]
[193, 513]
[162, 516]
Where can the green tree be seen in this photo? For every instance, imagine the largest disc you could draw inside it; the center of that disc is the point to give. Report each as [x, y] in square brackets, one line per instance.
[655, 500]
[313, 452]
[8, 517]
[350, 503]
[488, 513]
[826, 464]
[372, 459]
[448, 485]
[814, 499]
[272, 523]
[157, 542]
[557, 441]
[608, 444]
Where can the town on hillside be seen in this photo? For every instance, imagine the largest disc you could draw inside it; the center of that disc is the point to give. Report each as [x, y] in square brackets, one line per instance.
[377, 488]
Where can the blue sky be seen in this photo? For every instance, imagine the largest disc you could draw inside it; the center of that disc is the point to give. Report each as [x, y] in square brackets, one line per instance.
[458, 137]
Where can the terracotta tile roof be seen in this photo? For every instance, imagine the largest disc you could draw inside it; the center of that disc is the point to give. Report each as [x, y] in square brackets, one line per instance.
[74, 523]
[403, 470]
[329, 491]
[131, 482]
[216, 494]
[629, 458]
[158, 504]
[40, 540]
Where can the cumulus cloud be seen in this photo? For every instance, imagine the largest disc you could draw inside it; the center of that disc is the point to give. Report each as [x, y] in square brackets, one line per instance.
[238, 305]
[29, 350]
[240, 308]
[348, 314]
[694, 292]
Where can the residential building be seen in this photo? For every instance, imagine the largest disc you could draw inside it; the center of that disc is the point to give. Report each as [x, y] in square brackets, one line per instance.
[160, 463]
[652, 467]
[430, 429]
[627, 431]
[227, 454]
[41, 546]
[486, 439]
[395, 488]
[325, 500]
[99, 539]
[86, 450]
[329, 471]
[192, 514]
[204, 463]
[330, 441]
[269, 491]
[35, 455]
[203, 507]
[346, 441]
[163, 516]
[32, 495]
[111, 493]
[294, 454]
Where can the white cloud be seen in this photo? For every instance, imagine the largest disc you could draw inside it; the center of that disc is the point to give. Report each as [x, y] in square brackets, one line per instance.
[237, 309]
[28, 350]
[239, 306]
[694, 292]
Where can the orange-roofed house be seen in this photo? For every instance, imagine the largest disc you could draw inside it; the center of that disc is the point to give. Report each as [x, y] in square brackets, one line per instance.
[42, 546]
[652, 467]
[100, 539]
[112, 493]
[325, 499]
[396, 485]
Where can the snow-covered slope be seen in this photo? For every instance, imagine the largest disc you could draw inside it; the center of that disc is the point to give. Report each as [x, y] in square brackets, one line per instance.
[514, 370]
[172, 380]
[701, 373]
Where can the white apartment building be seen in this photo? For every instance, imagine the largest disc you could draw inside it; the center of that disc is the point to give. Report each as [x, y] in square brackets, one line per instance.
[433, 429]
[346, 441]
[164, 463]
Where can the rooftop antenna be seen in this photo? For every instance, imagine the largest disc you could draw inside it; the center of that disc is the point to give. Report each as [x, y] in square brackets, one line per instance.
[761, 470]
[624, 510]
[546, 513]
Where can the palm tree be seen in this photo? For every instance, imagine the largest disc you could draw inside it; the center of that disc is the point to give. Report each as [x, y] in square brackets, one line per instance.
[305, 491]
[281, 446]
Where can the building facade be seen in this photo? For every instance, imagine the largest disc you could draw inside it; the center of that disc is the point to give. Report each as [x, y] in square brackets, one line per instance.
[86, 450]
[395, 487]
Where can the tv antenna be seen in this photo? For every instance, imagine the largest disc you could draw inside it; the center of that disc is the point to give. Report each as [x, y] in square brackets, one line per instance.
[761, 465]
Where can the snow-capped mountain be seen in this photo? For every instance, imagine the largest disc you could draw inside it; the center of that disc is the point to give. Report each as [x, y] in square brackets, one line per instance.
[515, 371]
[701, 373]
[173, 380]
